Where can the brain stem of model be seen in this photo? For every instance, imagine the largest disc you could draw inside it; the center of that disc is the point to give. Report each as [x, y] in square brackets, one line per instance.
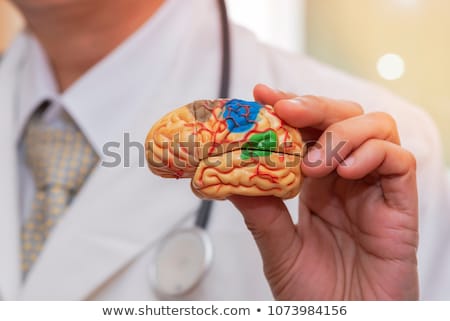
[227, 147]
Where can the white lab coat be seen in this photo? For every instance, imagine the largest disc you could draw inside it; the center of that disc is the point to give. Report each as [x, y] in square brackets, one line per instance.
[103, 247]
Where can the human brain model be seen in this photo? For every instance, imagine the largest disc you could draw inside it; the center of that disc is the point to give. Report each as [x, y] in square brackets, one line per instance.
[227, 147]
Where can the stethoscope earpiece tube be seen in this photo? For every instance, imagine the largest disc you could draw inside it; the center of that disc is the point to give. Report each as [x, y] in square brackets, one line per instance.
[226, 51]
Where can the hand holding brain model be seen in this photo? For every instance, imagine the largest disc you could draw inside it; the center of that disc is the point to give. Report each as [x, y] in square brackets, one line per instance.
[356, 233]
[227, 147]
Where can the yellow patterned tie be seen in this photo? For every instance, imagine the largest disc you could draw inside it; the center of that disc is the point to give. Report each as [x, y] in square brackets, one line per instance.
[60, 159]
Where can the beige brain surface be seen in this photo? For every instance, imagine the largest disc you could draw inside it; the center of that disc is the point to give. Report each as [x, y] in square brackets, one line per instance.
[227, 147]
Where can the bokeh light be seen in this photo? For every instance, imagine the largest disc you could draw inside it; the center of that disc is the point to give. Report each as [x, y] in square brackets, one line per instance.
[391, 66]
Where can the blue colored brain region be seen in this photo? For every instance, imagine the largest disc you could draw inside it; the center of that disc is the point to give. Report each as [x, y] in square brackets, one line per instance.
[240, 115]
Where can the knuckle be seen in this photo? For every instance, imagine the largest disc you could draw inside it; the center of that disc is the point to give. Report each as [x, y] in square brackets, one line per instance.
[385, 118]
[387, 125]
[411, 159]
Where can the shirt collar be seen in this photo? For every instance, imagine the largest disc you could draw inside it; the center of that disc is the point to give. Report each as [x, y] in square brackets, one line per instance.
[105, 99]
[37, 83]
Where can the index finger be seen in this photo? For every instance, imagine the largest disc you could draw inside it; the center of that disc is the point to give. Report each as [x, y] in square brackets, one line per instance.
[306, 111]
[315, 112]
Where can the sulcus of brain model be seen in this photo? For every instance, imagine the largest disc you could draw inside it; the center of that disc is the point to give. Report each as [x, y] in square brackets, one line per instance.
[227, 147]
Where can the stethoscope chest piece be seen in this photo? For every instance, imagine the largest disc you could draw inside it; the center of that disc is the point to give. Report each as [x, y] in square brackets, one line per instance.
[181, 261]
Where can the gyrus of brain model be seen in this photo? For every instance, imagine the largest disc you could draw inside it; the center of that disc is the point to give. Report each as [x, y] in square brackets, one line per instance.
[227, 147]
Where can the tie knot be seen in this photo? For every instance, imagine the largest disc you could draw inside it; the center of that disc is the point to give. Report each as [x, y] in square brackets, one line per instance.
[58, 155]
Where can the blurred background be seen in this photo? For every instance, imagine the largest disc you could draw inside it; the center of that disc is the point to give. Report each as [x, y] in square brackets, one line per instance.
[403, 45]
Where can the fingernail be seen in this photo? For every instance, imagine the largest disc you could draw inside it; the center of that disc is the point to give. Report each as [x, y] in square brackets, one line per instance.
[349, 161]
[305, 101]
[296, 103]
[314, 156]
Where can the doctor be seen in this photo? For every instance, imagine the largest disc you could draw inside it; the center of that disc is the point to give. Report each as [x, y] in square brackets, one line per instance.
[115, 67]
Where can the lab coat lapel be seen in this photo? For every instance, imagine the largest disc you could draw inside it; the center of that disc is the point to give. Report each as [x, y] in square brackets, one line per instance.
[9, 211]
[118, 214]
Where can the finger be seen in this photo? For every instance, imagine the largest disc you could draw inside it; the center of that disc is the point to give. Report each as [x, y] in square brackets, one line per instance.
[267, 95]
[270, 96]
[272, 227]
[395, 165]
[316, 112]
[341, 138]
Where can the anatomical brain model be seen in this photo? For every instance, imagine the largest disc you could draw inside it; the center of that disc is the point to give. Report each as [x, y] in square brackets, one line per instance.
[227, 147]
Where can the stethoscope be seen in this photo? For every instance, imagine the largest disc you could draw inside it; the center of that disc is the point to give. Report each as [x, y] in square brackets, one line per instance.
[183, 257]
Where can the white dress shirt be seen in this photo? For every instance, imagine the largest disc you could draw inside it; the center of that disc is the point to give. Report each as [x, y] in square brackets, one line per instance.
[96, 100]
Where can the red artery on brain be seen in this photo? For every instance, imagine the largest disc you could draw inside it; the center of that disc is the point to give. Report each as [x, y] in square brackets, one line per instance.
[240, 148]
[223, 129]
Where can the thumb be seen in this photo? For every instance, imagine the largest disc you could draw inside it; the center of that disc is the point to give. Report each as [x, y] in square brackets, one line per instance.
[267, 95]
[275, 233]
